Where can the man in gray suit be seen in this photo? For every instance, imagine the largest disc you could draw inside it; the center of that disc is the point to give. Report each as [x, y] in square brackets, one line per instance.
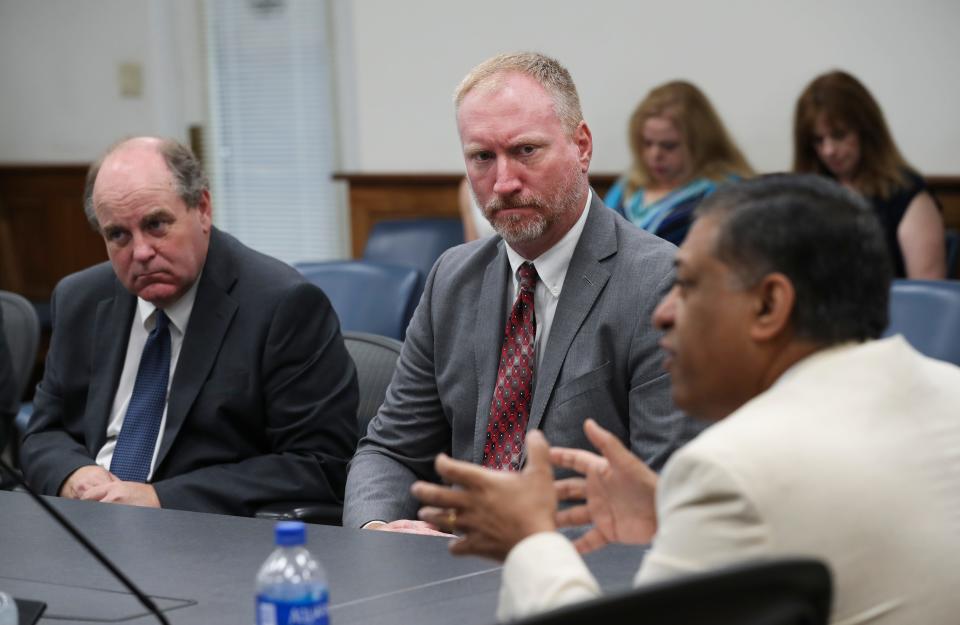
[576, 282]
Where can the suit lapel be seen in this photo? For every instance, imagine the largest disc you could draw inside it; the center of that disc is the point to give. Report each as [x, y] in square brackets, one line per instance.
[491, 320]
[585, 280]
[110, 337]
[213, 310]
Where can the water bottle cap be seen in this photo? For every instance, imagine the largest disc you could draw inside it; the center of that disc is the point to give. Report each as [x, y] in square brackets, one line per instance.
[289, 533]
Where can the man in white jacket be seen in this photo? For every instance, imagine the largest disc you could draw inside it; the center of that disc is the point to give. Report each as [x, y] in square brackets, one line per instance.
[833, 443]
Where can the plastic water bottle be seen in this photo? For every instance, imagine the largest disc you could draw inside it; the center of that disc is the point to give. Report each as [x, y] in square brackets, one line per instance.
[291, 584]
[8, 610]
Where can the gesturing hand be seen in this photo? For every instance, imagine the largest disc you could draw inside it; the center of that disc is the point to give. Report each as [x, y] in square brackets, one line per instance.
[491, 510]
[618, 488]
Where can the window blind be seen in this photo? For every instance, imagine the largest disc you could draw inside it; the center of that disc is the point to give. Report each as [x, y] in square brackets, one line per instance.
[271, 143]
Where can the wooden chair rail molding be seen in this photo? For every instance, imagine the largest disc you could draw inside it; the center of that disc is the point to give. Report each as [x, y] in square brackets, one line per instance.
[44, 235]
[375, 197]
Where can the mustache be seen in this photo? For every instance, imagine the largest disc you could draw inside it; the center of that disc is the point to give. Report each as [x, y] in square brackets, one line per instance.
[501, 203]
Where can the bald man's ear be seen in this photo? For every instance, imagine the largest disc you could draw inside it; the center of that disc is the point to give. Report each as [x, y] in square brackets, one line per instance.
[205, 206]
[775, 300]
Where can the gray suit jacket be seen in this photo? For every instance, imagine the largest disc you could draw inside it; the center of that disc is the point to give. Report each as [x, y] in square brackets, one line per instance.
[601, 361]
[262, 406]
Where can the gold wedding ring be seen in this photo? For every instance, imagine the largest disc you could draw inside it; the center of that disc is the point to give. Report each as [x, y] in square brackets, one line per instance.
[452, 519]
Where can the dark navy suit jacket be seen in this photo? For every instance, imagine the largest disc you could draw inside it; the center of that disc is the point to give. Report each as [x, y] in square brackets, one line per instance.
[262, 405]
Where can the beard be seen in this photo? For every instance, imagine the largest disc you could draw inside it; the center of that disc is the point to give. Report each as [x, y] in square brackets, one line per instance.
[564, 200]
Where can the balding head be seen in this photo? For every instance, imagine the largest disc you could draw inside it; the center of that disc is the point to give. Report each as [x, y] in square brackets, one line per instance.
[188, 175]
[148, 199]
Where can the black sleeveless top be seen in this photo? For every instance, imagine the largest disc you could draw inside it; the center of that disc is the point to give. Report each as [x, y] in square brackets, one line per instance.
[890, 211]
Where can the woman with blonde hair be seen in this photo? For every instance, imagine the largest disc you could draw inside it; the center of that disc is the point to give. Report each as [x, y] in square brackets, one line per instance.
[681, 152]
[839, 131]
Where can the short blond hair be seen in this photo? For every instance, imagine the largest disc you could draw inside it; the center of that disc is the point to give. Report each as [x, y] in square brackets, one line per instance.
[548, 72]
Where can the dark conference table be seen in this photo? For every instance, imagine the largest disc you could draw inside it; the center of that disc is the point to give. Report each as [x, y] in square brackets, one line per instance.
[200, 568]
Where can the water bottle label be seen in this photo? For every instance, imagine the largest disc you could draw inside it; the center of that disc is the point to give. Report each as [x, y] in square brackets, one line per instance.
[306, 612]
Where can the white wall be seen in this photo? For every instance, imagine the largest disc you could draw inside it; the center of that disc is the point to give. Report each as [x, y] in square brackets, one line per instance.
[59, 92]
[752, 58]
[398, 63]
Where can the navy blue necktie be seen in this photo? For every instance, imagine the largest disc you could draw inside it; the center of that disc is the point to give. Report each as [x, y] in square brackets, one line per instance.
[138, 436]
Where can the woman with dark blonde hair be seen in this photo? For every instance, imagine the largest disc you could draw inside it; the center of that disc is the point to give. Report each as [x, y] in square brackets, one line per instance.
[681, 152]
[839, 131]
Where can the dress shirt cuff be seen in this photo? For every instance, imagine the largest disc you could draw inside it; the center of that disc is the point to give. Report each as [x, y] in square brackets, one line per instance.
[372, 525]
[542, 572]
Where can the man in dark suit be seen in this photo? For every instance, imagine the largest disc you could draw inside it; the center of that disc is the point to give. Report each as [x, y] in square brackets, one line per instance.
[190, 372]
[576, 282]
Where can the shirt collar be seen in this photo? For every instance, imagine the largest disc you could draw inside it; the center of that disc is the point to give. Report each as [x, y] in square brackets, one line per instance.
[178, 313]
[552, 265]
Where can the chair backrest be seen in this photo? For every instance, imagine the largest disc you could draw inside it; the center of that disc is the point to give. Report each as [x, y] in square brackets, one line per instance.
[776, 592]
[22, 331]
[953, 253]
[368, 297]
[376, 360]
[927, 314]
[415, 243]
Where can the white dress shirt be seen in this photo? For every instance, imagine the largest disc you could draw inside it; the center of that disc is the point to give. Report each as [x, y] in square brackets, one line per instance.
[552, 267]
[144, 321]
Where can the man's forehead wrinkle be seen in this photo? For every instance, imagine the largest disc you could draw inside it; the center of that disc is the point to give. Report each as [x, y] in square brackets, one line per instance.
[512, 138]
[113, 198]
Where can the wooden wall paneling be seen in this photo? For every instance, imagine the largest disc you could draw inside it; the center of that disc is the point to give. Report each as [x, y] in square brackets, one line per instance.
[41, 207]
[947, 191]
[42, 216]
[376, 197]
[380, 197]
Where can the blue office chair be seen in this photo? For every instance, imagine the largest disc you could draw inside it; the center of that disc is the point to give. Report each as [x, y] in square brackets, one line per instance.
[795, 591]
[376, 359]
[415, 243]
[372, 297]
[927, 314]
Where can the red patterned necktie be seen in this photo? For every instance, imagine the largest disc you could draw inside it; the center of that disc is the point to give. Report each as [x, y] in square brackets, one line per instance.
[513, 393]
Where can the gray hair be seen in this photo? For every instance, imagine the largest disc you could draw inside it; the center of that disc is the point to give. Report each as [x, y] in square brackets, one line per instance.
[548, 72]
[183, 165]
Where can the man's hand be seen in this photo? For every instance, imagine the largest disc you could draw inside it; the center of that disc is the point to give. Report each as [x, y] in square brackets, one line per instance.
[618, 487]
[492, 510]
[85, 478]
[130, 493]
[407, 526]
